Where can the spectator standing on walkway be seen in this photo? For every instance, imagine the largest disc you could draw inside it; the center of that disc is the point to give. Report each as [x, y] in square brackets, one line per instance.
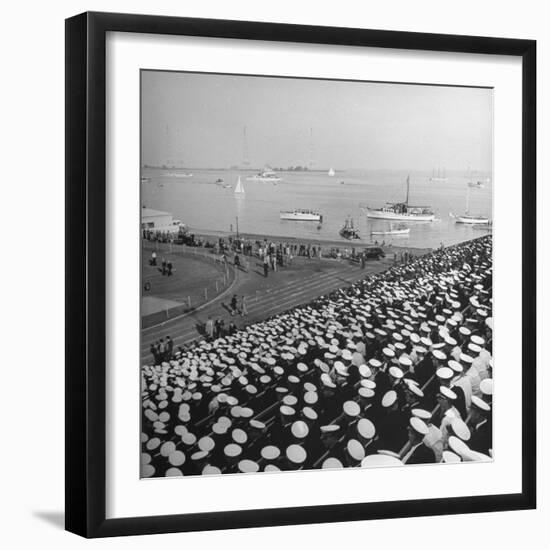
[153, 258]
[244, 310]
[209, 328]
[266, 266]
[234, 306]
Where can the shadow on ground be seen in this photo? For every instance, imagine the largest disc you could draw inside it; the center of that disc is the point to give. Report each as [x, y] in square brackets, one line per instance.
[57, 519]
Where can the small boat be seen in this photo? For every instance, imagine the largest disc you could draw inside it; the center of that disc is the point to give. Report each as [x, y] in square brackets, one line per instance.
[476, 184]
[401, 211]
[331, 172]
[239, 189]
[145, 180]
[219, 181]
[348, 231]
[399, 230]
[178, 174]
[301, 215]
[439, 175]
[265, 176]
[342, 182]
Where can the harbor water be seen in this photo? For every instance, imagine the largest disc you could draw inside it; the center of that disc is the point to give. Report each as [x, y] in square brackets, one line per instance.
[207, 206]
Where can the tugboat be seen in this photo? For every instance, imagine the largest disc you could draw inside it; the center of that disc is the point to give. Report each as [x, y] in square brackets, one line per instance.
[348, 231]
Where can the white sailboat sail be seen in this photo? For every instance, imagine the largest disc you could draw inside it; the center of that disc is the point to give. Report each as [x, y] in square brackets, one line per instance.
[331, 172]
[239, 189]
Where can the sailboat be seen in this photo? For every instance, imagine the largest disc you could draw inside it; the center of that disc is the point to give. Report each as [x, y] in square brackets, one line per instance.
[439, 175]
[239, 189]
[331, 172]
[468, 218]
[401, 211]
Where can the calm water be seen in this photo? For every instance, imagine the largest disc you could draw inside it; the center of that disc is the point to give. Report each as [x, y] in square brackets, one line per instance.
[203, 205]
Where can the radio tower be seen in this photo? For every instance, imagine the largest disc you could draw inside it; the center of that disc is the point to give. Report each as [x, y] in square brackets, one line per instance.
[310, 166]
[246, 161]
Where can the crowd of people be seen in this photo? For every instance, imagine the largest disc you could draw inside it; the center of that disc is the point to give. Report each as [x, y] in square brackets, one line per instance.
[394, 369]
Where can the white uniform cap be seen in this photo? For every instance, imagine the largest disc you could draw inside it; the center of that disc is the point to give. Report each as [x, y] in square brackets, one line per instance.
[388, 352]
[330, 463]
[147, 470]
[438, 354]
[173, 472]
[206, 444]
[378, 460]
[375, 363]
[474, 348]
[422, 414]
[346, 354]
[405, 361]
[311, 397]
[299, 429]
[465, 358]
[389, 398]
[396, 372]
[460, 429]
[465, 331]
[414, 389]
[365, 371]
[329, 428]
[232, 450]
[458, 446]
[365, 392]
[355, 449]
[248, 466]
[177, 458]
[290, 400]
[418, 425]
[474, 456]
[478, 340]
[270, 452]
[447, 393]
[209, 470]
[256, 424]
[455, 366]
[366, 428]
[370, 384]
[296, 454]
[309, 413]
[450, 458]
[286, 410]
[239, 436]
[188, 439]
[308, 386]
[445, 373]
[486, 386]
[167, 448]
[271, 468]
[351, 408]
[199, 455]
[480, 404]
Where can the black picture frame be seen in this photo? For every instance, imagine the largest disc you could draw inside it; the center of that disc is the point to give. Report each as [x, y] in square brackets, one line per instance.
[86, 285]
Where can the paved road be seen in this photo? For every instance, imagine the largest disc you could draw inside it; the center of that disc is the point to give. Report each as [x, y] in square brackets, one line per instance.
[268, 302]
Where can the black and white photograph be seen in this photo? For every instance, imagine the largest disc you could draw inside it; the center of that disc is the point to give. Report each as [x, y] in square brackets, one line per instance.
[316, 274]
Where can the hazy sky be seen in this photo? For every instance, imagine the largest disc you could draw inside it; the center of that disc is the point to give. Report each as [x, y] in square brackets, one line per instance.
[197, 120]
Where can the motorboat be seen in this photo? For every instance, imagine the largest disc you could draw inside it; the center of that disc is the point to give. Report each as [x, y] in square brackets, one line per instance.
[401, 211]
[301, 215]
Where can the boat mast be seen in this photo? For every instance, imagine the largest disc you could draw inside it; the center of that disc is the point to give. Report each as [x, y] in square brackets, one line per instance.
[467, 199]
[408, 183]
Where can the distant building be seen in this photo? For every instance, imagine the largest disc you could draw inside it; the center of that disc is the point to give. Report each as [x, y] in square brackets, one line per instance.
[155, 219]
